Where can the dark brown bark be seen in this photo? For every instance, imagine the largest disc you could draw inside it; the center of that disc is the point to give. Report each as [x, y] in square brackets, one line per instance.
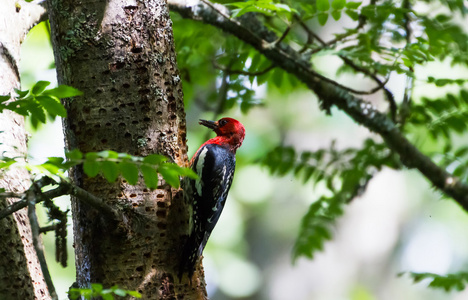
[20, 274]
[120, 54]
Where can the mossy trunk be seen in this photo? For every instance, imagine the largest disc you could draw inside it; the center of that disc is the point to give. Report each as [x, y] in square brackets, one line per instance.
[120, 54]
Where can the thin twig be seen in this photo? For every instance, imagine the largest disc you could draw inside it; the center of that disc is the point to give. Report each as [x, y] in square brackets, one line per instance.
[282, 37]
[46, 229]
[31, 197]
[59, 191]
[311, 35]
[406, 103]
[346, 60]
[351, 90]
[242, 72]
[222, 92]
[11, 195]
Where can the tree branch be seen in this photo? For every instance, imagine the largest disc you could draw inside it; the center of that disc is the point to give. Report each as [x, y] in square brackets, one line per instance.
[31, 196]
[65, 188]
[250, 30]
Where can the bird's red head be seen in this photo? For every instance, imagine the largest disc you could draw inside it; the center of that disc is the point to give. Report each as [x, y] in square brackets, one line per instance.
[229, 132]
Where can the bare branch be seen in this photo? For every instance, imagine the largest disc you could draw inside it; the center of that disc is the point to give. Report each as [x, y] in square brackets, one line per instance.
[31, 198]
[250, 30]
[46, 229]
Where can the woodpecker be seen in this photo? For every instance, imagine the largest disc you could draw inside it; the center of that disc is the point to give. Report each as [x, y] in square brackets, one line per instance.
[214, 162]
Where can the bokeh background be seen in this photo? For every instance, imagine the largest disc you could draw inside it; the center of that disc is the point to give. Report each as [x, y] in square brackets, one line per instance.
[399, 224]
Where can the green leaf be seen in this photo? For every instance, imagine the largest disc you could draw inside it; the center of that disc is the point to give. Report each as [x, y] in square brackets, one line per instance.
[96, 287]
[322, 18]
[21, 94]
[154, 159]
[170, 175]
[4, 98]
[108, 154]
[120, 292]
[36, 113]
[322, 5]
[336, 14]
[74, 154]
[449, 282]
[338, 4]
[353, 5]
[134, 294]
[63, 91]
[39, 87]
[129, 171]
[187, 172]
[352, 14]
[74, 293]
[110, 170]
[150, 175]
[52, 106]
[107, 296]
[91, 167]
[55, 160]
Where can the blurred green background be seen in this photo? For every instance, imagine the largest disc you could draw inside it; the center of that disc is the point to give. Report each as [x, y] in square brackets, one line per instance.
[399, 224]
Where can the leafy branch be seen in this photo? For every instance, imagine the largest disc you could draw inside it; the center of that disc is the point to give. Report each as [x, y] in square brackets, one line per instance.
[450, 282]
[38, 103]
[345, 173]
[251, 31]
[110, 165]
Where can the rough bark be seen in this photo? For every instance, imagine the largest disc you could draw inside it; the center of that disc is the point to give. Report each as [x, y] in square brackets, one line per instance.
[120, 54]
[20, 273]
[251, 31]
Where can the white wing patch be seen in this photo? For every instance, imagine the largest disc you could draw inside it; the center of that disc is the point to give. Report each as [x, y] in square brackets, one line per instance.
[200, 164]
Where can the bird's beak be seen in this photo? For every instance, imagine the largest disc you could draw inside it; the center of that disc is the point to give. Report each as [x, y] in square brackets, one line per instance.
[210, 124]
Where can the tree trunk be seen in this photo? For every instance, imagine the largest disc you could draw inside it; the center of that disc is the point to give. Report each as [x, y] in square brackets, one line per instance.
[120, 54]
[20, 273]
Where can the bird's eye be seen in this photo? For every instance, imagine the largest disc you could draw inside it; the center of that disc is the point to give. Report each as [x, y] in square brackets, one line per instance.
[222, 122]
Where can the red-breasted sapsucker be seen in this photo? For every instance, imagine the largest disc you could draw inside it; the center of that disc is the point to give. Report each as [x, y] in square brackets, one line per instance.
[214, 162]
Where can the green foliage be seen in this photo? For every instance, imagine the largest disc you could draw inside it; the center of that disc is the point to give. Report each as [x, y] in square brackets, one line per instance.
[97, 290]
[111, 165]
[201, 64]
[345, 173]
[445, 81]
[266, 7]
[442, 116]
[322, 10]
[448, 282]
[39, 103]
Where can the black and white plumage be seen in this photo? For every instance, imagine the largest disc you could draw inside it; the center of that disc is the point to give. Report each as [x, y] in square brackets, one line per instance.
[214, 162]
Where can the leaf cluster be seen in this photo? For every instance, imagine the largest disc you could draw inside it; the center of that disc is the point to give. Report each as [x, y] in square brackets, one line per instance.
[111, 165]
[38, 103]
[97, 290]
[265, 7]
[322, 9]
[450, 282]
[345, 174]
[219, 55]
[441, 116]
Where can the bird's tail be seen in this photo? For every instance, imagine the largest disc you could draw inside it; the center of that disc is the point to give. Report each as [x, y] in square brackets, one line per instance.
[188, 258]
